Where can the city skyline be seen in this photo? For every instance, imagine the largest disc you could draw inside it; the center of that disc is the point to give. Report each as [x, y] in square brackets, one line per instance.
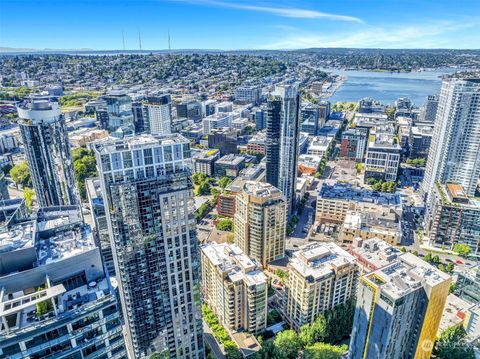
[229, 25]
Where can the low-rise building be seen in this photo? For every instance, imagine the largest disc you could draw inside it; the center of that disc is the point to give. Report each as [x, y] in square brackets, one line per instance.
[420, 140]
[320, 277]
[224, 139]
[354, 143]
[308, 164]
[372, 253]
[83, 137]
[240, 123]
[319, 145]
[248, 94]
[216, 121]
[383, 223]
[383, 154]
[204, 161]
[229, 165]
[226, 204]
[334, 200]
[370, 120]
[257, 143]
[234, 287]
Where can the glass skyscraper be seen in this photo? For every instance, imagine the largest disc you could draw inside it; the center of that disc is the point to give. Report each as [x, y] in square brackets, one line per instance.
[454, 155]
[281, 144]
[44, 135]
[148, 199]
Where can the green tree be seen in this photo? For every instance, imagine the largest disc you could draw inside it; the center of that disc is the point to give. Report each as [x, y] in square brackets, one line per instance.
[28, 193]
[202, 189]
[20, 174]
[224, 181]
[340, 321]
[452, 345]
[273, 317]
[428, 257]
[198, 178]
[452, 288]
[225, 224]
[324, 351]
[84, 165]
[281, 274]
[450, 267]
[314, 332]
[462, 249]
[287, 344]
[436, 259]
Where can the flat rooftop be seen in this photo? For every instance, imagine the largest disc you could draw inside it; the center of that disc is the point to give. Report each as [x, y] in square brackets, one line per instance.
[19, 236]
[405, 275]
[318, 260]
[261, 189]
[231, 259]
[112, 145]
[346, 192]
[230, 159]
[21, 307]
[376, 252]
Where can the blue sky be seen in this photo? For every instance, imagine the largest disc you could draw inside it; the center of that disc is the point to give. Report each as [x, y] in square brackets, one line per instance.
[239, 24]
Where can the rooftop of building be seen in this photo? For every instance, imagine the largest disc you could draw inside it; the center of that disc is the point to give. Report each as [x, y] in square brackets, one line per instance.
[383, 139]
[38, 109]
[66, 234]
[422, 130]
[55, 233]
[218, 116]
[320, 142]
[376, 252]
[371, 116]
[454, 313]
[230, 159]
[94, 190]
[347, 192]
[454, 194]
[309, 160]
[231, 259]
[261, 189]
[19, 236]
[112, 144]
[23, 313]
[209, 154]
[318, 260]
[385, 219]
[406, 275]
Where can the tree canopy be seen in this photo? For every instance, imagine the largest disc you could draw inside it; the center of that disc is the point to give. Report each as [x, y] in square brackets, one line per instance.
[20, 174]
[452, 345]
[462, 249]
[224, 181]
[84, 165]
[324, 351]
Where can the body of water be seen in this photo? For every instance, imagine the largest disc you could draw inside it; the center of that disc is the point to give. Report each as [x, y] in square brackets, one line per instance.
[386, 87]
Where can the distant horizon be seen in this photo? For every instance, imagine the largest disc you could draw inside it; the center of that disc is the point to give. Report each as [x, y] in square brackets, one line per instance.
[13, 50]
[229, 25]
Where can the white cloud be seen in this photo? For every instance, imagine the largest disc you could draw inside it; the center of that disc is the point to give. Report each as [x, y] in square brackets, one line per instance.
[431, 35]
[278, 11]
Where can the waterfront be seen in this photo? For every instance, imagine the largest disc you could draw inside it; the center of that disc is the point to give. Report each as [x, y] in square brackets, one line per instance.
[387, 87]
